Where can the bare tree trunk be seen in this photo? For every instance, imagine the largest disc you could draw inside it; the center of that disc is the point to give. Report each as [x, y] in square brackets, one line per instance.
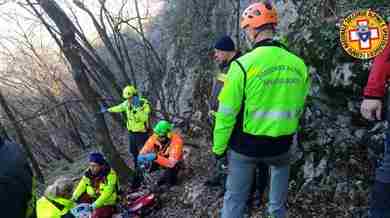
[54, 145]
[238, 15]
[133, 79]
[74, 132]
[156, 88]
[43, 156]
[3, 132]
[101, 29]
[88, 51]
[71, 50]
[23, 141]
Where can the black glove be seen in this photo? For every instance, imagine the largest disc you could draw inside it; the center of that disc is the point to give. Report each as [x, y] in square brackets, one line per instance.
[220, 161]
[219, 156]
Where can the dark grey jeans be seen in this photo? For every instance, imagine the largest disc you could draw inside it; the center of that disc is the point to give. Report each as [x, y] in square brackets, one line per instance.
[136, 142]
[240, 178]
[380, 193]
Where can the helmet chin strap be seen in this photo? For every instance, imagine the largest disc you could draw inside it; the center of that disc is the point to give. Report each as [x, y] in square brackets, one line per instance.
[255, 37]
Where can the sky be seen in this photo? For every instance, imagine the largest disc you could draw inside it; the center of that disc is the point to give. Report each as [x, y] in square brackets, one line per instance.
[13, 18]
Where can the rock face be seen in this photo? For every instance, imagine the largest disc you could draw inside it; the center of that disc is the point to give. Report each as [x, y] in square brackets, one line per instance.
[330, 171]
[331, 168]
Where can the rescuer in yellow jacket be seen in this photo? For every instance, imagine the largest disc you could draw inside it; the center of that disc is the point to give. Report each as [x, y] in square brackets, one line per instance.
[98, 187]
[137, 110]
[56, 203]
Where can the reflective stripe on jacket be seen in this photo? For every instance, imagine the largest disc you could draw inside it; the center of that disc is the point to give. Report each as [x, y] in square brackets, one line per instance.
[276, 86]
[169, 156]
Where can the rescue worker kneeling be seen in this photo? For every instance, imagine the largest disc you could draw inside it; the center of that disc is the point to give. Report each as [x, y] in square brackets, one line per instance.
[98, 187]
[56, 203]
[165, 148]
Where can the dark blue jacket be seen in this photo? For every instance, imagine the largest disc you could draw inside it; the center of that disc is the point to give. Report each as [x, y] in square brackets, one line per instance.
[15, 180]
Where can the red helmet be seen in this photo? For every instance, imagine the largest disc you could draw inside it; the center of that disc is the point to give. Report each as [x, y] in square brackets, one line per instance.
[257, 15]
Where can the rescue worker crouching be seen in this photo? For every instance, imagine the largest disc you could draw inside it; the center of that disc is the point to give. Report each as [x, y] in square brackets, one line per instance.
[164, 148]
[98, 187]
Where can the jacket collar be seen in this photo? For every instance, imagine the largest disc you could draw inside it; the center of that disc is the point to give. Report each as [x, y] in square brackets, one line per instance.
[102, 174]
[227, 64]
[237, 55]
[269, 42]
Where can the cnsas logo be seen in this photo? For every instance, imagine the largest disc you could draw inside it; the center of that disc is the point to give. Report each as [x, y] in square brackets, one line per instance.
[364, 34]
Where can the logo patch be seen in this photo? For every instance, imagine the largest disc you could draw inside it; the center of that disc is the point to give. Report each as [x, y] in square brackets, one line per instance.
[364, 34]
